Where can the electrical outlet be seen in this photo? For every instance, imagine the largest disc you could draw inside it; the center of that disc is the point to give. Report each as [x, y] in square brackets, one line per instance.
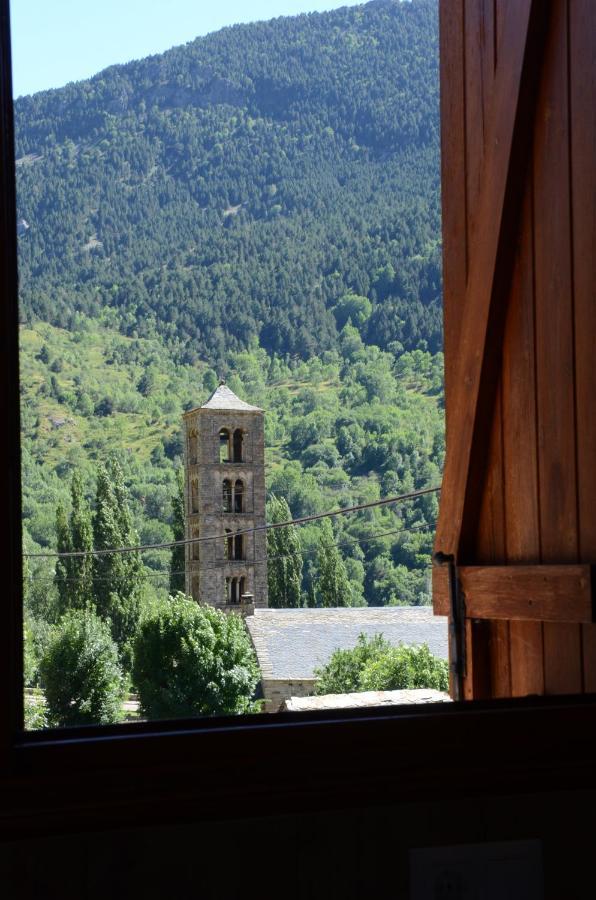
[491, 871]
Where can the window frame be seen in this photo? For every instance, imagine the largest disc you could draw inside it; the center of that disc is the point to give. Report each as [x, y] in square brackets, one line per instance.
[153, 772]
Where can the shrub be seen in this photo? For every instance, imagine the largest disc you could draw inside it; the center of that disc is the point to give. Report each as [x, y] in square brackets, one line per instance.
[343, 672]
[80, 672]
[403, 667]
[35, 713]
[30, 661]
[192, 660]
[374, 665]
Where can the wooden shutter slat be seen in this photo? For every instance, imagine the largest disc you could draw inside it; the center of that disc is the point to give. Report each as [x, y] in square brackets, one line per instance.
[520, 441]
[519, 492]
[546, 593]
[510, 87]
[555, 353]
[582, 90]
[453, 177]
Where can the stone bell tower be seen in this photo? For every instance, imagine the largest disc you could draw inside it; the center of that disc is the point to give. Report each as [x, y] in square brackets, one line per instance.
[225, 495]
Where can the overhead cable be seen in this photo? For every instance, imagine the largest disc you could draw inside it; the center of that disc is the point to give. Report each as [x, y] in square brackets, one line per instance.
[413, 495]
[67, 579]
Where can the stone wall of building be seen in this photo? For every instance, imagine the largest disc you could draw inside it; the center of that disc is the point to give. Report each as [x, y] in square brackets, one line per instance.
[277, 692]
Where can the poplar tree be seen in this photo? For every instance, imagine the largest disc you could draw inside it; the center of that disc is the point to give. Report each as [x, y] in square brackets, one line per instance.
[81, 539]
[74, 533]
[63, 545]
[333, 586]
[284, 558]
[118, 576]
[178, 560]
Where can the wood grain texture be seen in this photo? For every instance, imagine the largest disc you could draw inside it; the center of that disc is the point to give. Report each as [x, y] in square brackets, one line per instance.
[582, 122]
[485, 244]
[479, 68]
[490, 548]
[489, 539]
[548, 593]
[522, 521]
[555, 360]
[454, 214]
[440, 580]
[453, 176]
[521, 352]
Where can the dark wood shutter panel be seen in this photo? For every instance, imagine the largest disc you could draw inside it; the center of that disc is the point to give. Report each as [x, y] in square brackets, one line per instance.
[518, 505]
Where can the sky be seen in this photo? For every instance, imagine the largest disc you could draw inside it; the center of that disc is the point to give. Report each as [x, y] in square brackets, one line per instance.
[57, 41]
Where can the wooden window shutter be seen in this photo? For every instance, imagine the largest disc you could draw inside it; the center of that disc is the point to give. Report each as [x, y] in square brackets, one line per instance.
[518, 503]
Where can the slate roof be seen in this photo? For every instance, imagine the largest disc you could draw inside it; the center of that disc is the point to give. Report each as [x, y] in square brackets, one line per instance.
[223, 398]
[292, 643]
[364, 699]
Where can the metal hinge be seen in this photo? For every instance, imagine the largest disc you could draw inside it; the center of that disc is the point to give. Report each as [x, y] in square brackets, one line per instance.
[457, 625]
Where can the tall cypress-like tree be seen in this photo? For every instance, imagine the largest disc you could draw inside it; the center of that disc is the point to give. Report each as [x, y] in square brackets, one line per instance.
[118, 576]
[63, 545]
[284, 558]
[74, 575]
[333, 586]
[81, 539]
[178, 561]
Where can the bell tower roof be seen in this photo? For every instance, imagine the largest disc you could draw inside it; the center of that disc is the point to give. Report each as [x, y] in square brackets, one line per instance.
[223, 398]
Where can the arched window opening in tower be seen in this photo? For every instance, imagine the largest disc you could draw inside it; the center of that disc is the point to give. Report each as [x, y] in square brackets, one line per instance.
[193, 448]
[224, 446]
[238, 441]
[229, 545]
[235, 592]
[239, 546]
[227, 495]
[196, 548]
[239, 496]
[194, 495]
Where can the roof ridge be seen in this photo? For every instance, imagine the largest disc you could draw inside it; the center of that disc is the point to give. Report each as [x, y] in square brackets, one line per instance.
[223, 397]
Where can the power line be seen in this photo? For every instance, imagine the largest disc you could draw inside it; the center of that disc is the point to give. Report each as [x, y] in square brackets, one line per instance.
[352, 540]
[413, 495]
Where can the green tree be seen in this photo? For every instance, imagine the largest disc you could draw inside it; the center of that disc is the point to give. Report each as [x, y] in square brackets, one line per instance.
[118, 576]
[210, 380]
[35, 713]
[80, 672]
[44, 354]
[63, 568]
[192, 660]
[146, 384]
[399, 668]
[343, 673]
[178, 561]
[375, 665]
[333, 587]
[80, 568]
[284, 566]
[30, 662]
[352, 308]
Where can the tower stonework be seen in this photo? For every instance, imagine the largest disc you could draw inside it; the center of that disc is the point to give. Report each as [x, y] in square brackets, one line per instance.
[224, 466]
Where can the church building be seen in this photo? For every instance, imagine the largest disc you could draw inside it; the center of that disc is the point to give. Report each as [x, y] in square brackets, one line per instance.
[224, 469]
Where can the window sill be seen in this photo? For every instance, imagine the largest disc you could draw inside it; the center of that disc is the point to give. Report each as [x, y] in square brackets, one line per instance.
[146, 773]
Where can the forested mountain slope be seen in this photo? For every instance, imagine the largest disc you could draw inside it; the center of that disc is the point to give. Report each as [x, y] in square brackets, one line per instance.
[348, 427]
[261, 203]
[239, 186]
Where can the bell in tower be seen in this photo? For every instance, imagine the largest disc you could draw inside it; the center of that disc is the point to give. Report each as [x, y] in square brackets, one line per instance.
[224, 500]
